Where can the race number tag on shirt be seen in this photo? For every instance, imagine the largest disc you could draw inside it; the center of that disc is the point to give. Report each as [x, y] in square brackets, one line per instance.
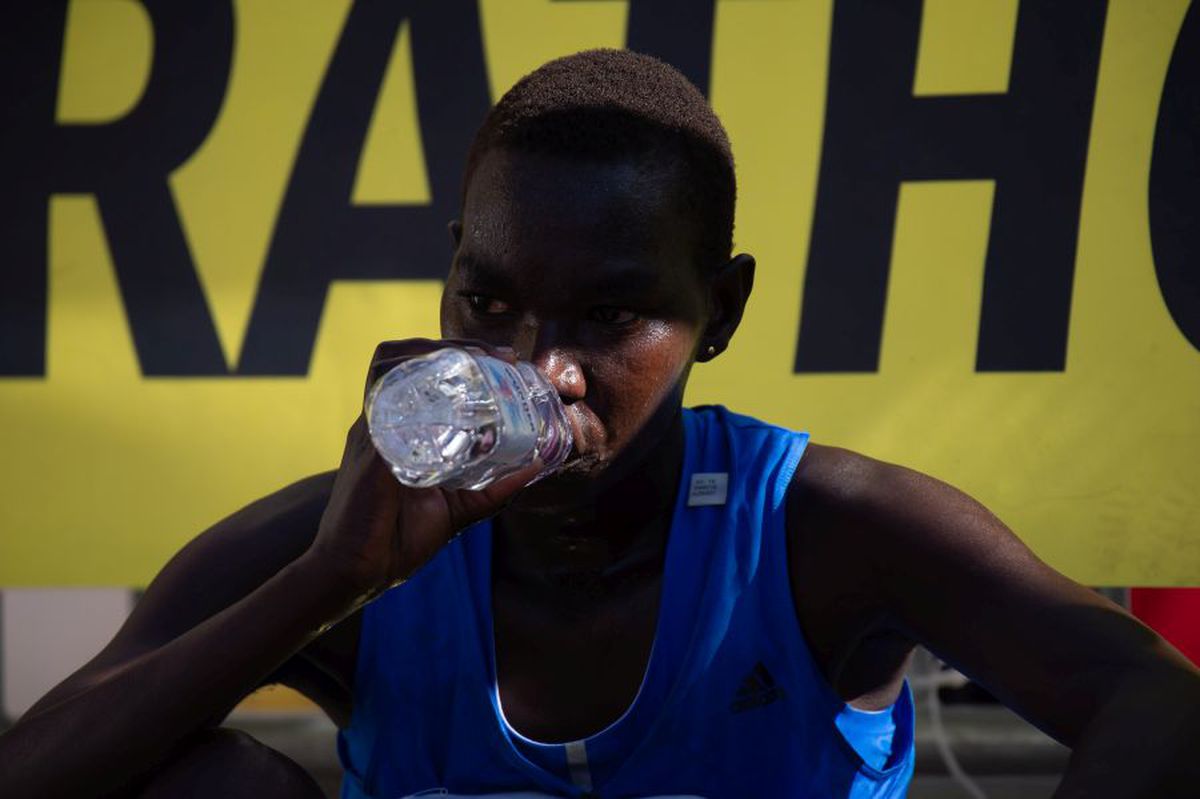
[708, 488]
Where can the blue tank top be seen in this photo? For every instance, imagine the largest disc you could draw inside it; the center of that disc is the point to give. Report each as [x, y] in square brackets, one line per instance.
[731, 703]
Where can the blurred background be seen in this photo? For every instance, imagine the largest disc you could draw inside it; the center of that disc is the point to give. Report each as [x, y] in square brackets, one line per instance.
[977, 224]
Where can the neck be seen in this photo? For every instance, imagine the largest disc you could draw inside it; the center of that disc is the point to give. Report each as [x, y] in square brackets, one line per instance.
[618, 533]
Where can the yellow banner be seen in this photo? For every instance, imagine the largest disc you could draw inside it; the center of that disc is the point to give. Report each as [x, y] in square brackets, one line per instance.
[961, 210]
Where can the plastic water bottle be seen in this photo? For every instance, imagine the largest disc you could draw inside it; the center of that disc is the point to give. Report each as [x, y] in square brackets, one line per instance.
[459, 420]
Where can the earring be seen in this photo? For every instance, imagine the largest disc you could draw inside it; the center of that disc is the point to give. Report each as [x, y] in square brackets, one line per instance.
[711, 351]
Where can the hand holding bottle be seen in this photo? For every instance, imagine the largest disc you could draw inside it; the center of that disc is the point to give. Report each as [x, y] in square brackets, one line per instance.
[376, 532]
[463, 419]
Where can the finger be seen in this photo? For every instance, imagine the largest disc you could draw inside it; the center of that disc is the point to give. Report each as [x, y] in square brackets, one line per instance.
[408, 347]
[397, 352]
[362, 472]
[507, 487]
[384, 365]
[381, 367]
[405, 347]
[468, 507]
[360, 454]
[505, 354]
[478, 347]
[389, 354]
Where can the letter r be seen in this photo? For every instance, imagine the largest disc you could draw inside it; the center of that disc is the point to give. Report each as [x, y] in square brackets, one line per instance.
[126, 164]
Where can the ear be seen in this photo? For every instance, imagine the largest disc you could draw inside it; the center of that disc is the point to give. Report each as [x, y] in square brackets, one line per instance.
[454, 228]
[729, 289]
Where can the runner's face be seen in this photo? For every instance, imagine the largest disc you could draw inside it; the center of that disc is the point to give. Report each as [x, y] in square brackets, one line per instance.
[587, 270]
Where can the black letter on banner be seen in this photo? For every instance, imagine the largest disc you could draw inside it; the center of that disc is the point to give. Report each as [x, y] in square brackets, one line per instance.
[1031, 140]
[320, 237]
[1175, 183]
[679, 32]
[125, 164]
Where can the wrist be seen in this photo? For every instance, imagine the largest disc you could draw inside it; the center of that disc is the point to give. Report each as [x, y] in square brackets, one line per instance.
[335, 592]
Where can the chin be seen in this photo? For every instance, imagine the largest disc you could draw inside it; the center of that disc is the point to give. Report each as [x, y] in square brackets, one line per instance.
[575, 484]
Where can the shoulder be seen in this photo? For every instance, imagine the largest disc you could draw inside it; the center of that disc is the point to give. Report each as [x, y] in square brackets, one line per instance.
[866, 537]
[900, 546]
[879, 552]
[838, 508]
[869, 498]
[839, 487]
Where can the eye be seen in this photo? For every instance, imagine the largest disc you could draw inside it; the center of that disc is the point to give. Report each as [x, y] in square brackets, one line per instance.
[487, 306]
[612, 315]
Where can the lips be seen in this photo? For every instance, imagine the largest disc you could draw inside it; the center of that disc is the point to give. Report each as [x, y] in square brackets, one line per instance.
[583, 456]
[578, 440]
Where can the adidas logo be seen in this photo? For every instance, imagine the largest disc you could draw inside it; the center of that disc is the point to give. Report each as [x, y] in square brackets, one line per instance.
[758, 688]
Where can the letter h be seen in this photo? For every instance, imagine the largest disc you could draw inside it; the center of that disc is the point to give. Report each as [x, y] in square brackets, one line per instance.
[1032, 140]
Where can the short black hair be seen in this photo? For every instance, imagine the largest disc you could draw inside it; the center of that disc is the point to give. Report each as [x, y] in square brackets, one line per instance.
[613, 104]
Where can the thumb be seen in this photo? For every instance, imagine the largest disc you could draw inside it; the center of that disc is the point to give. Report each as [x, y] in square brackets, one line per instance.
[468, 507]
[504, 489]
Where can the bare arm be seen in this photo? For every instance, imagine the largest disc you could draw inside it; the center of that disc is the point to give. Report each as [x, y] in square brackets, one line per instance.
[234, 606]
[936, 567]
[224, 614]
[222, 565]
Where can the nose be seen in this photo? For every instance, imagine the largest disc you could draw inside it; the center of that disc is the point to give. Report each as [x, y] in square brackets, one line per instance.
[563, 371]
[556, 359]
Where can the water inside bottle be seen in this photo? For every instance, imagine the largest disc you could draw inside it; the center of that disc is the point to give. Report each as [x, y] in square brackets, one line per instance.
[453, 420]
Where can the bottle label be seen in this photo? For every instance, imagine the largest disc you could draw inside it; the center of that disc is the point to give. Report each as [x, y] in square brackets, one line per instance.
[518, 432]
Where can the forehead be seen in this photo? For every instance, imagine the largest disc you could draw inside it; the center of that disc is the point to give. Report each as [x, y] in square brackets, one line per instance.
[547, 213]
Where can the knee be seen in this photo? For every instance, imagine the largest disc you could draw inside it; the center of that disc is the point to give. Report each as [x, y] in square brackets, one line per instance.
[230, 764]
